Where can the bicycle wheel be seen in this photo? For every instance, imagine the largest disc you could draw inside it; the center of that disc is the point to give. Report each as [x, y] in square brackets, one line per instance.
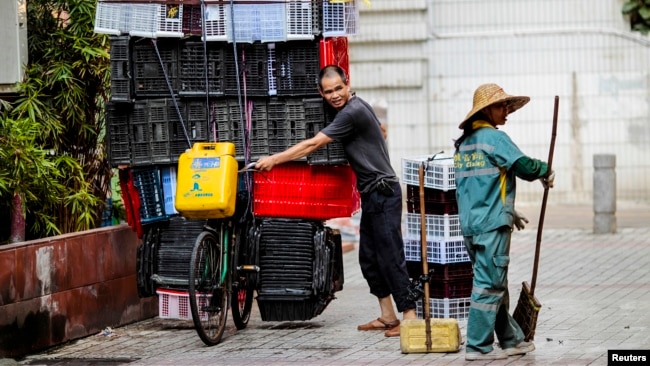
[241, 301]
[207, 289]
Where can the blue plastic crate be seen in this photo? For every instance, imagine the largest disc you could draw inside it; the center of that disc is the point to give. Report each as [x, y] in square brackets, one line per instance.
[168, 176]
[148, 184]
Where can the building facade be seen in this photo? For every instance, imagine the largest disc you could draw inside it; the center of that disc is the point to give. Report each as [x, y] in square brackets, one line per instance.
[423, 59]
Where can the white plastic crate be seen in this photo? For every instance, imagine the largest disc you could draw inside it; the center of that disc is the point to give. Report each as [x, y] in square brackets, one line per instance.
[438, 251]
[439, 172]
[143, 20]
[340, 18]
[256, 22]
[170, 21]
[174, 304]
[240, 22]
[272, 71]
[108, 18]
[445, 308]
[438, 227]
[272, 24]
[215, 22]
[156, 20]
[299, 20]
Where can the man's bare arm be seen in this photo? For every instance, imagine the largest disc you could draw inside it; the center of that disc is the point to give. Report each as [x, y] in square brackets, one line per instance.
[297, 151]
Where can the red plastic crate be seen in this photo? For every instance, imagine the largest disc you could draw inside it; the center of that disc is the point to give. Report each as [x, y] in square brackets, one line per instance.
[432, 195]
[300, 190]
[452, 289]
[131, 200]
[334, 51]
[432, 208]
[442, 272]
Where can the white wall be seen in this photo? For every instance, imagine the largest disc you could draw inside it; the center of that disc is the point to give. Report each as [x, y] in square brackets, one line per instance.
[13, 43]
[580, 50]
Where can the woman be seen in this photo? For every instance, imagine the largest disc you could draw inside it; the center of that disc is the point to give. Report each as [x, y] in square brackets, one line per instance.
[487, 164]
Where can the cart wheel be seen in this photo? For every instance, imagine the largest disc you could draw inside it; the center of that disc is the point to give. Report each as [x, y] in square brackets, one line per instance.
[208, 289]
[241, 301]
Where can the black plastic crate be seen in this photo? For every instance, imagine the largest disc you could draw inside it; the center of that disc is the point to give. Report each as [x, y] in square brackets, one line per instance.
[121, 83]
[286, 123]
[296, 68]
[230, 126]
[254, 62]
[151, 126]
[286, 308]
[193, 63]
[301, 267]
[148, 184]
[146, 263]
[140, 140]
[161, 115]
[150, 78]
[177, 238]
[118, 134]
[317, 117]
[194, 112]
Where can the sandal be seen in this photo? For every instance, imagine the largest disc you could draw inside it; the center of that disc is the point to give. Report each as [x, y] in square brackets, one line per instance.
[384, 325]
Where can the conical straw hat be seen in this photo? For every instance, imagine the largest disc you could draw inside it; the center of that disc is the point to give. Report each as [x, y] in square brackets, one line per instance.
[488, 94]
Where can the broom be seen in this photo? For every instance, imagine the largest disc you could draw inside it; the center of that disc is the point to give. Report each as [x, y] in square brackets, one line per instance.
[528, 307]
[428, 335]
[425, 259]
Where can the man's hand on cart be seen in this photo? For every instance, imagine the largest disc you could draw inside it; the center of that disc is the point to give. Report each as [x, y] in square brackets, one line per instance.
[249, 167]
[266, 163]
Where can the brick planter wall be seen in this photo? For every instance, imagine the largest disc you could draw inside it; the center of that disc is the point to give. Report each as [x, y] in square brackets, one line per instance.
[70, 286]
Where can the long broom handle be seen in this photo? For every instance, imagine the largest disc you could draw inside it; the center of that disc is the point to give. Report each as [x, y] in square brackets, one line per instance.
[425, 259]
[544, 200]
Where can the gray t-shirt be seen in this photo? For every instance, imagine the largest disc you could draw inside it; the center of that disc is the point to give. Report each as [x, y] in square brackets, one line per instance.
[357, 128]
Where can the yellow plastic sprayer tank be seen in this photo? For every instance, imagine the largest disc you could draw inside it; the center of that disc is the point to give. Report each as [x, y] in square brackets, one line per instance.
[207, 181]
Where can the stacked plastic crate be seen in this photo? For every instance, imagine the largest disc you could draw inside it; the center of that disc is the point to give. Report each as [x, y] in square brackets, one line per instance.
[243, 72]
[451, 282]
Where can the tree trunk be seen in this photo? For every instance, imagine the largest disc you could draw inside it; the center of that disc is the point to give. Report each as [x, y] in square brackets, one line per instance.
[17, 220]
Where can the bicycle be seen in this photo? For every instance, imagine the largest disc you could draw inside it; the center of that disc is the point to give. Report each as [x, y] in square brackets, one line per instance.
[223, 270]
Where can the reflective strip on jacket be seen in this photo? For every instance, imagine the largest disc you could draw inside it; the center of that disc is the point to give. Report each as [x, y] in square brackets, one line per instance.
[485, 182]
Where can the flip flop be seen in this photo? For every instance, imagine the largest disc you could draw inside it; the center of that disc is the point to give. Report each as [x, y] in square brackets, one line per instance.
[385, 325]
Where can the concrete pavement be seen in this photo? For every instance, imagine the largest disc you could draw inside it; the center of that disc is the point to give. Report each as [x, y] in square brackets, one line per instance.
[594, 289]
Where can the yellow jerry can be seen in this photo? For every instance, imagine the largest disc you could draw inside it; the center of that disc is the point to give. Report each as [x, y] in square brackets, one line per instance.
[207, 181]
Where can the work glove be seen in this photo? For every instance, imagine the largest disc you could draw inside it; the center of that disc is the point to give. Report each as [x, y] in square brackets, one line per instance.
[520, 220]
[549, 180]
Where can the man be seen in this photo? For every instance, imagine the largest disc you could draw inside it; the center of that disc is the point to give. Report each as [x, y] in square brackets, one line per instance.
[487, 164]
[381, 252]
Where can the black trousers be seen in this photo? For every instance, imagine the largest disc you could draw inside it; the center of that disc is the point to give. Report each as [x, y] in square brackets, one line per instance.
[381, 247]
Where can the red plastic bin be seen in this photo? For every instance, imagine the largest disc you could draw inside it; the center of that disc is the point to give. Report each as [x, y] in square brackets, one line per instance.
[452, 289]
[300, 190]
[442, 272]
[131, 200]
[334, 51]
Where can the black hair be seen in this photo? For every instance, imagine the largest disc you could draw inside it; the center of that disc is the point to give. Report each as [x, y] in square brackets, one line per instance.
[331, 70]
[467, 129]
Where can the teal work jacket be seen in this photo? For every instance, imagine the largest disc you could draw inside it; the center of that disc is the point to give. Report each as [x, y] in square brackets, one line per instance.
[485, 180]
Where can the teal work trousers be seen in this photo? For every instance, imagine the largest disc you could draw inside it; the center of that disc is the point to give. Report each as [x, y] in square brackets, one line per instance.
[488, 312]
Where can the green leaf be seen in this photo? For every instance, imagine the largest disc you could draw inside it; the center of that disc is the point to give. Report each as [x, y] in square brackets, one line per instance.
[630, 7]
[644, 12]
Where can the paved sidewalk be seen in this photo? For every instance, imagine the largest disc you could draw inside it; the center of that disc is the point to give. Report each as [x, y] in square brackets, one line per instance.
[594, 289]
